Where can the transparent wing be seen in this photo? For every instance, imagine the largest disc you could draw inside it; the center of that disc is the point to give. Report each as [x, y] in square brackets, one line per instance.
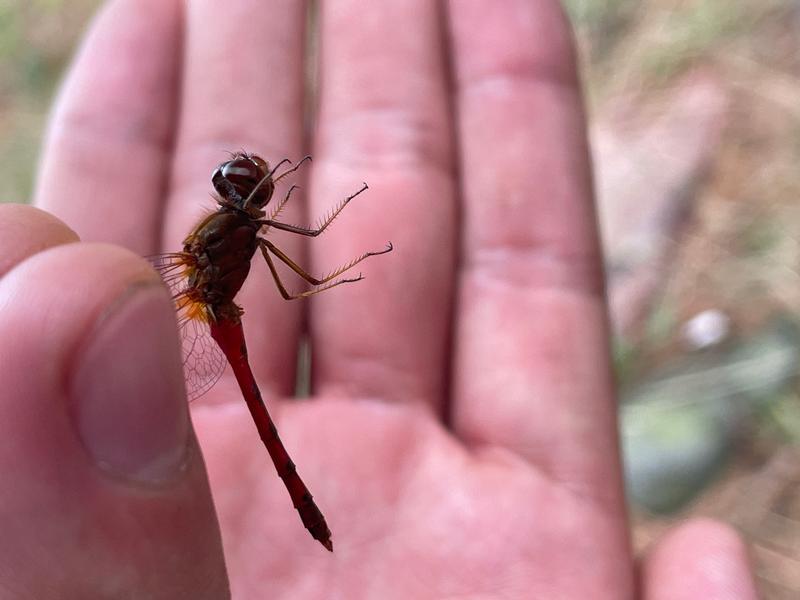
[203, 361]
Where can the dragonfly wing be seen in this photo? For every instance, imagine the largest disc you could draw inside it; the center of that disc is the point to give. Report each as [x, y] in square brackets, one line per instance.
[203, 360]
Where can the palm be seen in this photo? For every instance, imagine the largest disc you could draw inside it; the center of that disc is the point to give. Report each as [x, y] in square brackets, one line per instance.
[412, 510]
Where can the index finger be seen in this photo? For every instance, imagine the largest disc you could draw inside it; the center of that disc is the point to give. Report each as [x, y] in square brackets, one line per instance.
[106, 156]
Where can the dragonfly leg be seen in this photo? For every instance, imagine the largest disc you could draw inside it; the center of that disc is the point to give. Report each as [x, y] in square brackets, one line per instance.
[282, 289]
[292, 170]
[276, 211]
[321, 226]
[308, 277]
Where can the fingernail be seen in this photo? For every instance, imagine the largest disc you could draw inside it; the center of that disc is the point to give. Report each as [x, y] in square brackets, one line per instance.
[128, 397]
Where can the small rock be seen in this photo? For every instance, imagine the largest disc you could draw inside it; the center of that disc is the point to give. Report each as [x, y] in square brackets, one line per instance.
[708, 328]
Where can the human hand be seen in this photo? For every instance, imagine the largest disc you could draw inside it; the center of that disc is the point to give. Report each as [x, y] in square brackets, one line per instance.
[489, 317]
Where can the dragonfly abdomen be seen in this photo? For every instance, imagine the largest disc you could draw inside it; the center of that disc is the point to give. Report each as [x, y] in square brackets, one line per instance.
[229, 335]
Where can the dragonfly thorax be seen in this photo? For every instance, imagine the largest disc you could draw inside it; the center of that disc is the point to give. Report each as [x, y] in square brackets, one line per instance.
[222, 246]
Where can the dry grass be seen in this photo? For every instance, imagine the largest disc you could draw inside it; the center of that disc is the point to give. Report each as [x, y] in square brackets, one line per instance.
[740, 251]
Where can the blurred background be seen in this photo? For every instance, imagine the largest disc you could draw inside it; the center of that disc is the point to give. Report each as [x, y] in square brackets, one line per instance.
[695, 127]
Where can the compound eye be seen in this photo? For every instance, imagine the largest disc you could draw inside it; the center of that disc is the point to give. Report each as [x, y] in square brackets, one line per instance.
[263, 166]
[241, 178]
[240, 170]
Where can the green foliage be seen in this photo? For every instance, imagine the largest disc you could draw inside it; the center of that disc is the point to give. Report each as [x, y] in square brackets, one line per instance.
[602, 21]
[660, 325]
[693, 31]
[37, 38]
[761, 236]
[625, 356]
[783, 415]
[596, 13]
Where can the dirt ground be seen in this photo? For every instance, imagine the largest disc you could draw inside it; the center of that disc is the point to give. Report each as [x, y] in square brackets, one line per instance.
[738, 248]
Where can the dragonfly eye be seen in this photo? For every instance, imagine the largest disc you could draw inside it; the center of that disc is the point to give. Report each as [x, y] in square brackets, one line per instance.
[236, 179]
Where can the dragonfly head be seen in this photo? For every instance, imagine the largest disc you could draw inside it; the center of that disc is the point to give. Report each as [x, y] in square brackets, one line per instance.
[236, 179]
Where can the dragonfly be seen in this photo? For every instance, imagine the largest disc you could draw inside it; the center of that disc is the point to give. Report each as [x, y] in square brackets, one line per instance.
[205, 277]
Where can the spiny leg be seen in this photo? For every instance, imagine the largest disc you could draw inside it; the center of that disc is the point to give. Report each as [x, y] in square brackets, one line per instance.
[292, 170]
[313, 232]
[276, 211]
[282, 289]
[310, 278]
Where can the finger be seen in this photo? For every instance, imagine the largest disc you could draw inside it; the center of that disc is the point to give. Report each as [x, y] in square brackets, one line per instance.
[25, 230]
[96, 438]
[243, 89]
[532, 366]
[384, 119]
[106, 154]
[699, 560]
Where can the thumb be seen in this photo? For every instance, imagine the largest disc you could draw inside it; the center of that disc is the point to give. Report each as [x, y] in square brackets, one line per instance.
[104, 490]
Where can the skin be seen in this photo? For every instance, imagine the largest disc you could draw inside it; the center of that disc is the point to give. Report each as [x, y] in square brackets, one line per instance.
[461, 438]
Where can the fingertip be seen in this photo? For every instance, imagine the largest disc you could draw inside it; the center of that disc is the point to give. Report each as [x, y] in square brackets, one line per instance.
[699, 559]
[709, 532]
[26, 230]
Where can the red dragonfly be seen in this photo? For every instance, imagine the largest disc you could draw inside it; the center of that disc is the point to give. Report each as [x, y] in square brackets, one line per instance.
[206, 276]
